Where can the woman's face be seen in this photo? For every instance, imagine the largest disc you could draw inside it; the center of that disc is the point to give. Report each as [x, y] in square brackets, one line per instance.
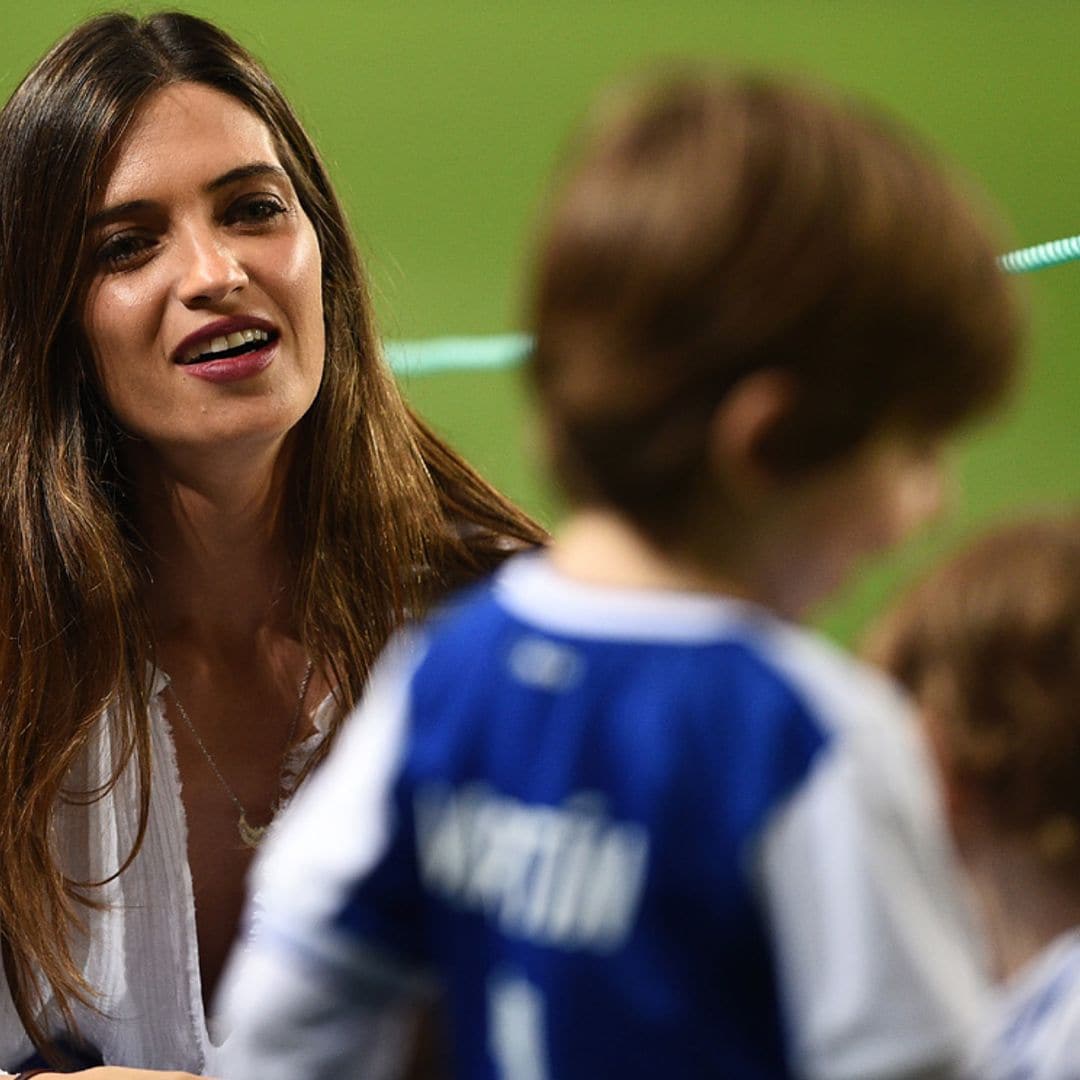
[204, 311]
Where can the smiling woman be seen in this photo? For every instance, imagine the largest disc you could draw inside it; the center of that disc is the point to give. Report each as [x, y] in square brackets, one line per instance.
[215, 509]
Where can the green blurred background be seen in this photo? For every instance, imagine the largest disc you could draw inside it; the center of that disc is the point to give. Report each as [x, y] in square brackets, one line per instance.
[441, 122]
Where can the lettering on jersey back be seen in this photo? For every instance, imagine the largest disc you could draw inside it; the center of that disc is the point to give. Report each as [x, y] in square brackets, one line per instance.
[567, 875]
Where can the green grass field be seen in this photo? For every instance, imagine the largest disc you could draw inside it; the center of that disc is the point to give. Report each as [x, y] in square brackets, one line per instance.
[441, 122]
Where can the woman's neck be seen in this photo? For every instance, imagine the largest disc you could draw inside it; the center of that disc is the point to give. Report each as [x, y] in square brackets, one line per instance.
[216, 549]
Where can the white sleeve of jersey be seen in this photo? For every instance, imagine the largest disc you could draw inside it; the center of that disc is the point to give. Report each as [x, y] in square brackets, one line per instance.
[1033, 1029]
[289, 1021]
[877, 965]
[300, 998]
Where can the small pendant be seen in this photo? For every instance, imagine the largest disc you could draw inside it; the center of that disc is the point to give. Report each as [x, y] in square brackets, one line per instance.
[250, 835]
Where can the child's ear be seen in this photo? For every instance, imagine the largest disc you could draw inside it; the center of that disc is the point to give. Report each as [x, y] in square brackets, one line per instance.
[747, 414]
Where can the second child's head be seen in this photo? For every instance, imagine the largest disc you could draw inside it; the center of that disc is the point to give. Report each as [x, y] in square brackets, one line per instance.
[757, 313]
[989, 646]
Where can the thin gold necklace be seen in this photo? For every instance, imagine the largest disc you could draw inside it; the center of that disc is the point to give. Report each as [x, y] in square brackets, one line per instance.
[250, 835]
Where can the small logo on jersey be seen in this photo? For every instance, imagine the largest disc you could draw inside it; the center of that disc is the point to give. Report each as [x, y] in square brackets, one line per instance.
[564, 875]
[547, 665]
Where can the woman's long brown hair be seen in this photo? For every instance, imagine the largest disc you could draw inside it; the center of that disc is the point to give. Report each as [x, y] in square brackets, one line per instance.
[383, 517]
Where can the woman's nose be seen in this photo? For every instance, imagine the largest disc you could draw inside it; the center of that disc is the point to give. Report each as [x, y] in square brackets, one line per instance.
[210, 271]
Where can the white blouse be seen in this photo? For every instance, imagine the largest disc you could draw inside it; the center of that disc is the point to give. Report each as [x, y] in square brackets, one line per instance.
[140, 953]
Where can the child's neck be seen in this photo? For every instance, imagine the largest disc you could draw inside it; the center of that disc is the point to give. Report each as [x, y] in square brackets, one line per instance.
[1023, 907]
[601, 548]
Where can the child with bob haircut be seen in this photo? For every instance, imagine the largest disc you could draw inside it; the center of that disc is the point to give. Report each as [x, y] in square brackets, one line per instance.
[989, 644]
[633, 818]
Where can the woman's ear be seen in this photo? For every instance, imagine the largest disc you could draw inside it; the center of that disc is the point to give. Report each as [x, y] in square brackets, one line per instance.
[743, 419]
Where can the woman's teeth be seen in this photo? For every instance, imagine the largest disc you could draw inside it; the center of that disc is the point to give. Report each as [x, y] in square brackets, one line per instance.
[223, 344]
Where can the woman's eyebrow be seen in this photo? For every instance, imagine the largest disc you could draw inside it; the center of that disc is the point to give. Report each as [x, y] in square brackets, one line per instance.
[233, 176]
[112, 213]
[247, 172]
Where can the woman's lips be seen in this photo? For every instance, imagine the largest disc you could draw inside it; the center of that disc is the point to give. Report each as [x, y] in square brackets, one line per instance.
[223, 335]
[234, 368]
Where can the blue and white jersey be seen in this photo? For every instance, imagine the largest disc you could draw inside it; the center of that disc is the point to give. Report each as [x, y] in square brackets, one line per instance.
[631, 834]
[1034, 1028]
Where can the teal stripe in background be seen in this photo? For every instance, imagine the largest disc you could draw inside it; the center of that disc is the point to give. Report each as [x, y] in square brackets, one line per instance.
[490, 352]
[1042, 256]
[493, 352]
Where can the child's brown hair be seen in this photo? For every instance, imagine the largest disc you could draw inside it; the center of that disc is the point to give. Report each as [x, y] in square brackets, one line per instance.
[721, 226]
[989, 644]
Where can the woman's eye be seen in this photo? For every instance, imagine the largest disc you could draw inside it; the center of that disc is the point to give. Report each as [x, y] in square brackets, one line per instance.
[122, 250]
[256, 210]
